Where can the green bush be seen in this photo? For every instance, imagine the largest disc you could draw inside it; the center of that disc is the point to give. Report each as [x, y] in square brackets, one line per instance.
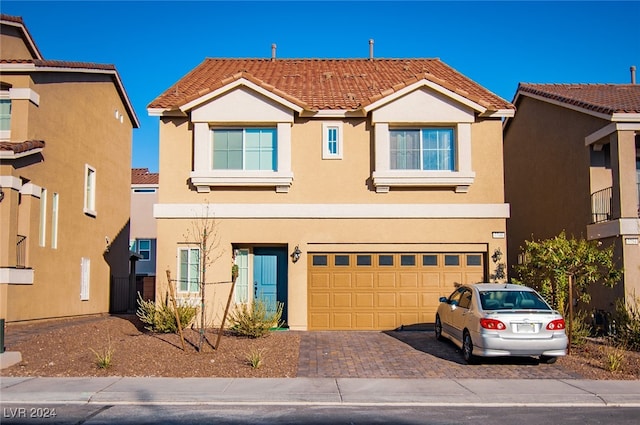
[161, 318]
[580, 329]
[628, 323]
[255, 320]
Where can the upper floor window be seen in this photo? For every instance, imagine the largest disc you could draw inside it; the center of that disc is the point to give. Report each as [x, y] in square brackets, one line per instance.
[245, 149]
[144, 249]
[90, 190]
[5, 115]
[431, 149]
[332, 141]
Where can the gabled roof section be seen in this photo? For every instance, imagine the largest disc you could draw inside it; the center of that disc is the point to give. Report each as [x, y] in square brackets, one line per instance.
[609, 101]
[325, 84]
[38, 64]
[16, 21]
[143, 176]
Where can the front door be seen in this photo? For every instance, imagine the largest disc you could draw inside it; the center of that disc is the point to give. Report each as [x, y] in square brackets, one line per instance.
[270, 278]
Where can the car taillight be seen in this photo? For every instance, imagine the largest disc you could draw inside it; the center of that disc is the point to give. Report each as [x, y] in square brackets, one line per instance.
[492, 324]
[556, 325]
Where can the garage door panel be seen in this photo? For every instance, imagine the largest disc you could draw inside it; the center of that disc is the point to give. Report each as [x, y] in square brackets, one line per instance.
[342, 300]
[319, 300]
[383, 291]
[342, 280]
[364, 280]
[386, 279]
[342, 321]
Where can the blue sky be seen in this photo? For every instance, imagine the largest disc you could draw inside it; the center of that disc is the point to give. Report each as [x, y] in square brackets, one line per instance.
[497, 44]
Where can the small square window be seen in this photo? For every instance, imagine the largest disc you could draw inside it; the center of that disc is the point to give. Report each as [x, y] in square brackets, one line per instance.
[385, 260]
[320, 260]
[429, 260]
[451, 260]
[408, 260]
[341, 260]
[363, 260]
[474, 260]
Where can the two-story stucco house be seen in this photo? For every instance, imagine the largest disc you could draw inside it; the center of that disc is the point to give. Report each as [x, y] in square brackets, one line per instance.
[354, 191]
[65, 155]
[572, 162]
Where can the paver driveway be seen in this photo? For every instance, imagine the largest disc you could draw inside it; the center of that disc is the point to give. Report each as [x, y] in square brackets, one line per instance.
[406, 354]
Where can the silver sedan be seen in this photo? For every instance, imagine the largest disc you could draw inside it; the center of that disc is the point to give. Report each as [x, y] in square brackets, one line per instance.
[490, 320]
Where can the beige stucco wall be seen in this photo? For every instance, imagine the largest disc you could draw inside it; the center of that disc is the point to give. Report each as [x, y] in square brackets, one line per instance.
[143, 225]
[76, 119]
[12, 44]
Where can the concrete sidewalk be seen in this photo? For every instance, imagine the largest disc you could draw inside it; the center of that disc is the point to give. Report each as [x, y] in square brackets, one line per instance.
[321, 391]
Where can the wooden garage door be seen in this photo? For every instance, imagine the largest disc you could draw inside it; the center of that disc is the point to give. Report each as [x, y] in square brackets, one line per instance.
[382, 291]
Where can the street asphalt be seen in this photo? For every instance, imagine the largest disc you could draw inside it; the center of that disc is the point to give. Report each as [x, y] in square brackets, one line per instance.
[32, 391]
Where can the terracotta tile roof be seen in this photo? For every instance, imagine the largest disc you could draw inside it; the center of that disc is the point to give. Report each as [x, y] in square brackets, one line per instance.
[143, 176]
[325, 84]
[603, 98]
[62, 64]
[19, 147]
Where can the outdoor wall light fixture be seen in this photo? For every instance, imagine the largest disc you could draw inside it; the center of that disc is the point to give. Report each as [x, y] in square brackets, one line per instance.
[295, 255]
[497, 255]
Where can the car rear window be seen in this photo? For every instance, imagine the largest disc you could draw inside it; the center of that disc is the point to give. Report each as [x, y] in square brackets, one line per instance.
[512, 300]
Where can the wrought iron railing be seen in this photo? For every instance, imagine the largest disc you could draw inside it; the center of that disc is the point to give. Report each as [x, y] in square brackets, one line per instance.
[21, 252]
[601, 204]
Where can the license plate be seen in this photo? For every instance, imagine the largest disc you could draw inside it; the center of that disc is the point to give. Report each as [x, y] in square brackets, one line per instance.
[525, 327]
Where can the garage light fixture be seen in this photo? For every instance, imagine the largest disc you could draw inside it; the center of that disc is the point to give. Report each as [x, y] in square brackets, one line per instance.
[295, 255]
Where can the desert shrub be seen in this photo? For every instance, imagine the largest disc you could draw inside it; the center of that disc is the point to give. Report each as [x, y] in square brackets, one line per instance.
[254, 320]
[104, 357]
[628, 323]
[255, 358]
[161, 318]
[580, 329]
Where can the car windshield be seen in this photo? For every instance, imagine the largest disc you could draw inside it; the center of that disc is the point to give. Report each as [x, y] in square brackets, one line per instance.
[512, 300]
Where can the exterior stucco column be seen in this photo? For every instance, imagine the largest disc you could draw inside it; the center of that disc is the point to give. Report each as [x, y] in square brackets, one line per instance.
[623, 166]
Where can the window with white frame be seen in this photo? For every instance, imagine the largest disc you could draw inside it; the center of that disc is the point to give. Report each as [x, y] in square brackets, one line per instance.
[245, 149]
[429, 149]
[5, 115]
[89, 190]
[85, 273]
[42, 233]
[188, 269]
[242, 282]
[144, 249]
[332, 141]
[54, 220]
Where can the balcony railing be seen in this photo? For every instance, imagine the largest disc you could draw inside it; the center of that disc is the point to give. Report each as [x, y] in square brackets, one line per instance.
[601, 205]
[21, 252]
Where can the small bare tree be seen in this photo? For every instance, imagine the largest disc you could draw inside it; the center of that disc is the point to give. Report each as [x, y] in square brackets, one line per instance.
[203, 234]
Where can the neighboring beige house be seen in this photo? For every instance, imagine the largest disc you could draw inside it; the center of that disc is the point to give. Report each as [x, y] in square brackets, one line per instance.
[354, 191]
[65, 155]
[144, 195]
[572, 162]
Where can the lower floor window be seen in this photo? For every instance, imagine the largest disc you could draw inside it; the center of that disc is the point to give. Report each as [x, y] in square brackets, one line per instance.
[189, 270]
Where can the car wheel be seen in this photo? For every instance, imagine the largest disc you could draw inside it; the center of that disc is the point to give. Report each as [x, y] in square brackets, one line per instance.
[438, 328]
[548, 359]
[467, 349]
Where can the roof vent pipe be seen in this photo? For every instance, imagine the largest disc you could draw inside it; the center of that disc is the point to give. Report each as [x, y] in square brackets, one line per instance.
[633, 74]
[371, 49]
[273, 51]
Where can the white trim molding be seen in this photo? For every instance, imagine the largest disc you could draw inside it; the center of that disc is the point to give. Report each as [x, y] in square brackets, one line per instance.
[10, 182]
[596, 136]
[24, 94]
[336, 211]
[13, 276]
[614, 228]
